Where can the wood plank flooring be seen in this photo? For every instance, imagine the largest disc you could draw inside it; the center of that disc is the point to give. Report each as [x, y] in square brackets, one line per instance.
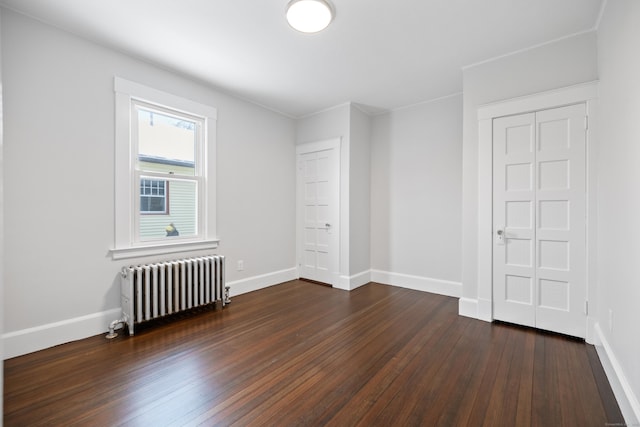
[298, 354]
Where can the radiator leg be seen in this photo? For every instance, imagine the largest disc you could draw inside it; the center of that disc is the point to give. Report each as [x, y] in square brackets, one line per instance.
[227, 297]
[112, 328]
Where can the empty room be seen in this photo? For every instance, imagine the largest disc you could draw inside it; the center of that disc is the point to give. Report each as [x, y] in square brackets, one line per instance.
[320, 212]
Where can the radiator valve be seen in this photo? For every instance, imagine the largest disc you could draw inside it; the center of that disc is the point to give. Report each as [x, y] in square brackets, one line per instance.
[112, 328]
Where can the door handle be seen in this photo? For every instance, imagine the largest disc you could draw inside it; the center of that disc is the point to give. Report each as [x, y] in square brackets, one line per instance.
[500, 234]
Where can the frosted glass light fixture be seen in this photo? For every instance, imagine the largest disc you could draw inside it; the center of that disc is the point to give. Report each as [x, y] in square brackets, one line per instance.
[309, 16]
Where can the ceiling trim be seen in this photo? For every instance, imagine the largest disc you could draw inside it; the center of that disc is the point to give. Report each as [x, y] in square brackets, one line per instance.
[600, 14]
[324, 110]
[526, 49]
[428, 101]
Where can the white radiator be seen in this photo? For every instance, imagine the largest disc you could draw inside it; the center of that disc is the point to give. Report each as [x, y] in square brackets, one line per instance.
[151, 291]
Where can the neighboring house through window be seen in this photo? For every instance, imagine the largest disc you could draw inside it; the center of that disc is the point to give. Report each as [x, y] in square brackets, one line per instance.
[153, 197]
[163, 142]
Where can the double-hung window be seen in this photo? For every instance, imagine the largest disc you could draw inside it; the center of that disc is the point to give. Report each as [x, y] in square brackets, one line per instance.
[165, 172]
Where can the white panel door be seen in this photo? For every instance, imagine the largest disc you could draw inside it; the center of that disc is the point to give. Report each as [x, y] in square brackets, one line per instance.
[561, 220]
[513, 218]
[318, 199]
[539, 219]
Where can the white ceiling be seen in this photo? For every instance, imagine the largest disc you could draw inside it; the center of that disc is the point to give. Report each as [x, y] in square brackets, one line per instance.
[382, 54]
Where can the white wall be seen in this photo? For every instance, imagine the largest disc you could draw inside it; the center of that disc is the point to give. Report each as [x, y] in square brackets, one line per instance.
[1, 231]
[416, 196]
[563, 63]
[59, 195]
[619, 195]
[353, 126]
[360, 195]
[334, 123]
[330, 123]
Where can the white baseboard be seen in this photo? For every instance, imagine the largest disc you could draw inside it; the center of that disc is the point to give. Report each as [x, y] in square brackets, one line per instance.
[349, 283]
[627, 399]
[485, 310]
[37, 338]
[468, 307]
[40, 337]
[475, 308]
[418, 283]
[250, 284]
[591, 337]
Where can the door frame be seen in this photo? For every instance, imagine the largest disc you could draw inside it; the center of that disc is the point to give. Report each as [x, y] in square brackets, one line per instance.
[582, 93]
[310, 147]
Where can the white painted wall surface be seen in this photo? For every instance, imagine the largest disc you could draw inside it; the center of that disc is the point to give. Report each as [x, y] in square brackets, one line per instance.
[327, 124]
[563, 63]
[59, 195]
[330, 123]
[360, 193]
[1, 232]
[353, 126]
[416, 191]
[618, 193]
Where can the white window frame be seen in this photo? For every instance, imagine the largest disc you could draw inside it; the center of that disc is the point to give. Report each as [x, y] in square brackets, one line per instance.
[127, 244]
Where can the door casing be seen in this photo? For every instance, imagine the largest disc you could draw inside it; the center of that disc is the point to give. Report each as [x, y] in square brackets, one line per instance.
[481, 306]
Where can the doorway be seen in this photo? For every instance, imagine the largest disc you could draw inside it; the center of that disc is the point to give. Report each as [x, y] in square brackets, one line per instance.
[539, 219]
[318, 208]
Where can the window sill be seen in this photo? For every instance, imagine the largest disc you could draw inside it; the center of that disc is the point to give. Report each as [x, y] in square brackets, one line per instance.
[161, 249]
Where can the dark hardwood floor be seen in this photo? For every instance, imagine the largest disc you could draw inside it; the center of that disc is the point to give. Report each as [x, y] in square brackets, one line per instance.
[301, 354]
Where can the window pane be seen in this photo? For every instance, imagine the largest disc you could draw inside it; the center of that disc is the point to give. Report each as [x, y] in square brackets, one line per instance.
[144, 204]
[181, 219]
[166, 143]
[156, 204]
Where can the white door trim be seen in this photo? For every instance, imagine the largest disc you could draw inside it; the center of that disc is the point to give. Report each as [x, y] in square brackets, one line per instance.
[310, 147]
[587, 93]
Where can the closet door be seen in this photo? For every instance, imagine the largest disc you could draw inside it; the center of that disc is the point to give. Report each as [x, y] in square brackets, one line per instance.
[539, 252]
[513, 219]
[318, 205]
[561, 224]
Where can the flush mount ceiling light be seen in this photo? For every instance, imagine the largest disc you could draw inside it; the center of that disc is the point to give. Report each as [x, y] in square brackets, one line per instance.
[309, 16]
